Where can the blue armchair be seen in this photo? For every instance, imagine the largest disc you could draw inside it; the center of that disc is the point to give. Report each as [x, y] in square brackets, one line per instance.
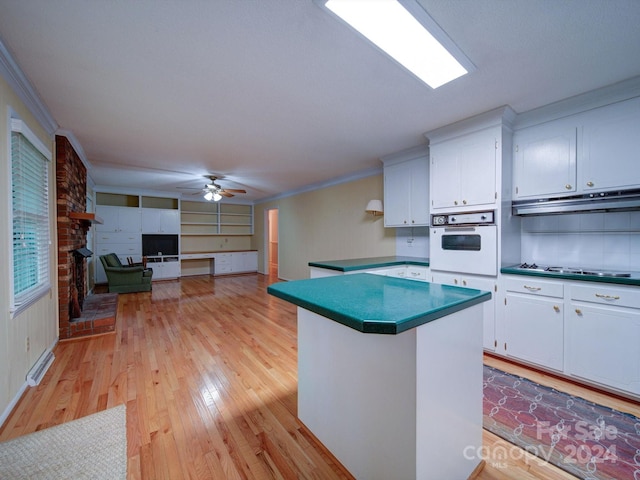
[125, 279]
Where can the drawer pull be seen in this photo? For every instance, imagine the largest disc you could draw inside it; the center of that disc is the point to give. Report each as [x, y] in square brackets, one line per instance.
[607, 297]
[556, 308]
[533, 289]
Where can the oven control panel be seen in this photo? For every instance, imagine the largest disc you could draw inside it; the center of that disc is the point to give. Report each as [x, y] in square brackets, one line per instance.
[466, 218]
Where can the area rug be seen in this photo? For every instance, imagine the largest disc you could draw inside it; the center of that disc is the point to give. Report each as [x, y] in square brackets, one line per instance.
[93, 447]
[583, 438]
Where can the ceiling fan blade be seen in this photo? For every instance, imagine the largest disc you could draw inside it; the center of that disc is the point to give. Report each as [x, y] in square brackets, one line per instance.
[234, 190]
[225, 193]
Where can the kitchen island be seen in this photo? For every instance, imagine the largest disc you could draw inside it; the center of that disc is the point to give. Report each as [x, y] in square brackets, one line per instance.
[390, 373]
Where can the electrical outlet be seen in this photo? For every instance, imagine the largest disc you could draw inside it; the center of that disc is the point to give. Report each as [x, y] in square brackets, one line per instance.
[27, 345]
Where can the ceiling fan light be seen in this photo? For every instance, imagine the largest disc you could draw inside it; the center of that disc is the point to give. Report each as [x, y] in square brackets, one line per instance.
[208, 196]
[216, 197]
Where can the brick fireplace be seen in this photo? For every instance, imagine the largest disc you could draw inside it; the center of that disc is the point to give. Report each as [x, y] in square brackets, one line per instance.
[77, 311]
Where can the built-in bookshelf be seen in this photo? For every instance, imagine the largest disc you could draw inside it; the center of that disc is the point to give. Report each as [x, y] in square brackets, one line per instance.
[215, 218]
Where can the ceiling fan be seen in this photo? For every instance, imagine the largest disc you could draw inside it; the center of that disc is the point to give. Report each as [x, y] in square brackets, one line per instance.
[214, 192]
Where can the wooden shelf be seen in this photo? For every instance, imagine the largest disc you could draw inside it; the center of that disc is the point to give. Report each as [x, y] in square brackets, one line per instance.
[86, 217]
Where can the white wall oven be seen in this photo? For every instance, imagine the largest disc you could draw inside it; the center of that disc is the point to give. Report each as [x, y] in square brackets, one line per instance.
[465, 243]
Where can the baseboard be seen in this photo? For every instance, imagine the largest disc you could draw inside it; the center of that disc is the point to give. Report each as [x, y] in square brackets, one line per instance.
[13, 403]
[16, 398]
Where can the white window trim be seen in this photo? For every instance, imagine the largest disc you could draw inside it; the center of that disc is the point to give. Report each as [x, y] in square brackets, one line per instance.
[19, 126]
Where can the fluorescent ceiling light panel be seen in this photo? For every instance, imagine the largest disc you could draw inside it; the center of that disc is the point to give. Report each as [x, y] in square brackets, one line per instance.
[399, 33]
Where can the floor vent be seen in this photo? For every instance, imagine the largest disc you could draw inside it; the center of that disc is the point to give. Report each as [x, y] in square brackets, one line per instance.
[40, 368]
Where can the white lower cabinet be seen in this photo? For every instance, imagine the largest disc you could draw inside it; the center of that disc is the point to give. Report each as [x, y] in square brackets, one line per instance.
[244, 262]
[489, 307]
[164, 267]
[533, 322]
[603, 336]
[586, 330]
[235, 262]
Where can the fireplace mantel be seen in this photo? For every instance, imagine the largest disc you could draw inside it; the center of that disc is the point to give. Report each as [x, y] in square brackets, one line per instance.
[86, 217]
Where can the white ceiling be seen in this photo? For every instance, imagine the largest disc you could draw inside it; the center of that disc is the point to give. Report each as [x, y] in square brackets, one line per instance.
[276, 95]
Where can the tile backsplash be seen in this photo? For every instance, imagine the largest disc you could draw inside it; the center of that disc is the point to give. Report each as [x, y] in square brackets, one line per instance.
[608, 241]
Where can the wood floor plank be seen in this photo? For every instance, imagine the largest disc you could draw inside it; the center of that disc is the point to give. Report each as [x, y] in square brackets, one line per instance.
[207, 368]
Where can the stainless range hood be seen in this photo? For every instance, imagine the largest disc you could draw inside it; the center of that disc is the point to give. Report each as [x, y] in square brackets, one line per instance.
[620, 200]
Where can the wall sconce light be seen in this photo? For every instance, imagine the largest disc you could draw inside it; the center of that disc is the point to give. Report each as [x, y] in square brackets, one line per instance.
[374, 207]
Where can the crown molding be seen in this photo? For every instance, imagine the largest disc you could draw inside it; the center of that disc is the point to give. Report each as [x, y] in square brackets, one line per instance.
[329, 183]
[19, 83]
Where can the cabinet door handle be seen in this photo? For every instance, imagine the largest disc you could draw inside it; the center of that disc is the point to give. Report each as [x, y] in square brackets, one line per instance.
[533, 289]
[607, 297]
[556, 308]
[455, 202]
[590, 184]
[464, 282]
[568, 186]
[578, 311]
[455, 281]
[464, 202]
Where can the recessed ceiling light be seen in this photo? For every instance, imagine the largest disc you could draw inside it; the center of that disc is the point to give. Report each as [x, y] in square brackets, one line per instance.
[405, 31]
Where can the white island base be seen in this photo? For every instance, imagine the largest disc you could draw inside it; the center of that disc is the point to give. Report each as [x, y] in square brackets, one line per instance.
[405, 406]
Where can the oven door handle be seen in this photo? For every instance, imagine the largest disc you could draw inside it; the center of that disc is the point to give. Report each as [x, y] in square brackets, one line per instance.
[460, 229]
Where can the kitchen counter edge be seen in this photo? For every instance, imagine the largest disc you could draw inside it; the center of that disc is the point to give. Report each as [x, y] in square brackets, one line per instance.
[350, 265]
[634, 280]
[303, 293]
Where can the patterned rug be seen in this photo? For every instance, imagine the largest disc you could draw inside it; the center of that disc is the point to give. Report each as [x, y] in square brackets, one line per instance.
[93, 448]
[583, 438]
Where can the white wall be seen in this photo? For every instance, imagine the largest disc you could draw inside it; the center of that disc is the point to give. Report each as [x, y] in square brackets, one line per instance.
[608, 241]
[39, 322]
[412, 242]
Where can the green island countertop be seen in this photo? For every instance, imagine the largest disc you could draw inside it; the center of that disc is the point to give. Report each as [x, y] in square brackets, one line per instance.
[352, 264]
[377, 304]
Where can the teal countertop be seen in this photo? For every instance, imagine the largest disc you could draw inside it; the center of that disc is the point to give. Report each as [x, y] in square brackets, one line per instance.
[634, 279]
[372, 262]
[375, 303]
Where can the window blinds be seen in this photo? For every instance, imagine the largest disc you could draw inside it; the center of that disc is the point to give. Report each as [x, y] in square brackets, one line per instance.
[30, 216]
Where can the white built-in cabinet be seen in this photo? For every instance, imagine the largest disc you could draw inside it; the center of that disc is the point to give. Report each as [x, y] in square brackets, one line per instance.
[242, 262]
[469, 161]
[586, 330]
[534, 322]
[463, 170]
[406, 189]
[165, 267]
[545, 160]
[582, 153]
[160, 220]
[609, 157]
[487, 284]
[126, 217]
[119, 219]
[603, 335]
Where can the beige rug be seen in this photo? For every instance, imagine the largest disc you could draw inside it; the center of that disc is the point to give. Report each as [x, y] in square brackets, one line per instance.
[93, 447]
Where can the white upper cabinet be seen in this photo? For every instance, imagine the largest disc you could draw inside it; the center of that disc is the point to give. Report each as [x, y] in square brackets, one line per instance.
[406, 189]
[463, 170]
[545, 160]
[160, 220]
[610, 147]
[581, 153]
[118, 219]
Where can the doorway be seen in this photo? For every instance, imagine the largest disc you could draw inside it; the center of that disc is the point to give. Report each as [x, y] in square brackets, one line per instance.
[271, 247]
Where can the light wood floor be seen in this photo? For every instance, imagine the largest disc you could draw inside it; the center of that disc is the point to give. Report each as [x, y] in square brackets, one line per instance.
[207, 370]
